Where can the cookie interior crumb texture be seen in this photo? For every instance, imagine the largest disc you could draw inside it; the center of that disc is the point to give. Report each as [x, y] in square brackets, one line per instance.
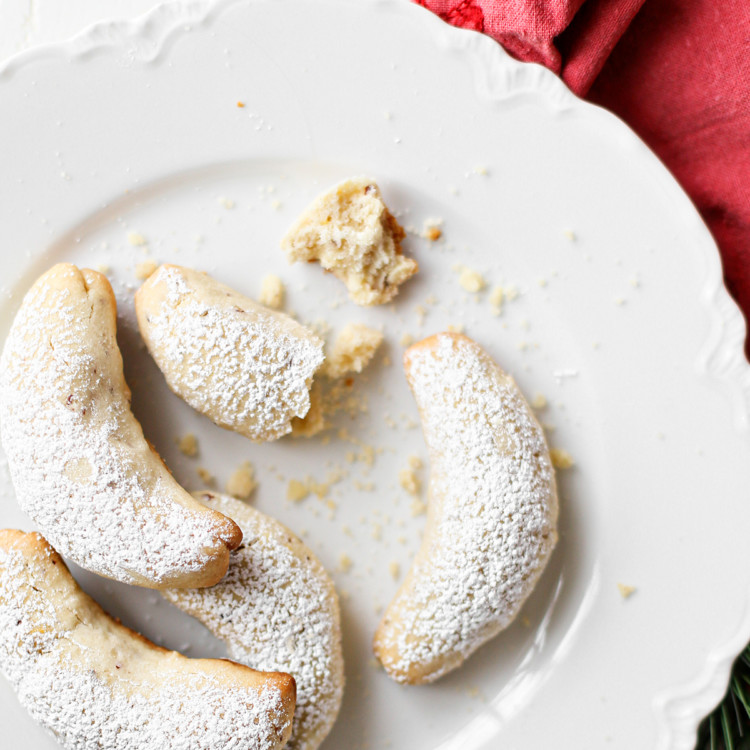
[351, 232]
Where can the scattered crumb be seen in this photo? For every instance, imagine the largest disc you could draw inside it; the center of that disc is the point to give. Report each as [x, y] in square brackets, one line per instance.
[418, 507]
[394, 569]
[415, 462]
[271, 291]
[460, 328]
[496, 300]
[619, 301]
[481, 170]
[241, 104]
[431, 230]
[136, 239]
[539, 402]
[242, 481]
[276, 204]
[470, 280]
[570, 234]
[205, 475]
[296, 491]
[228, 203]
[188, 445]
[561, 459]
[352, 350]
[145, 269]
[408, 479]
[406, 340]
[472, 692]
[625, 590]
[103, 268]
[345, 563]
[525, 621]
[377, 532]
[511, 293]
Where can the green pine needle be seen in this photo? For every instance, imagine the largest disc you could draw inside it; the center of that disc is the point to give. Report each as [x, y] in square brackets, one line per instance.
[727, 727]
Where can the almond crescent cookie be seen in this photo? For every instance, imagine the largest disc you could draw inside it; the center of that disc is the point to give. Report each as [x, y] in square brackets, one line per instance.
[352, 233]
[276, 609]
[99, 686]
[492, 514]
[79, 462]
[245, 367]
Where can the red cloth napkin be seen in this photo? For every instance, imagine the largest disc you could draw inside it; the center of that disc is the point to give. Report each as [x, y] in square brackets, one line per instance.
[677, 71]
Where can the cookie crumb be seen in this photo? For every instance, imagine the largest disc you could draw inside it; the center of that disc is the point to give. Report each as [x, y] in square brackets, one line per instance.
[497, 295]
[352, 350]
[408, 479]
[188, 445]
[351, 232]
[418, 507]
[296, 491]
[406, 339]
[271, 291]
[242, 481]
[561, 459]
[205, 475]
[431, 229]
[539, 402]
[569, 234]
[394, 569]
[136, 239]
[471, 280]
[625, 590]
[228, 203]
[415, 462]
[103, 268]
[345, 562]
[145, 269]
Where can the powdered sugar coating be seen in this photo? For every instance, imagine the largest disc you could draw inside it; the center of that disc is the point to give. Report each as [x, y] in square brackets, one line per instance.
[98, 686]
[246, 367]
[276, 609]
[77, 456]
[492, 516]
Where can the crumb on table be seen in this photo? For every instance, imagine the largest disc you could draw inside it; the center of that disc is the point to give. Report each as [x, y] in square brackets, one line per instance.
[188, 445]
[272, 291]
[242, 482]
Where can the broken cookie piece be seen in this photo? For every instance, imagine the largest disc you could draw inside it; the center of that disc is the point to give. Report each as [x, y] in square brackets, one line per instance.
[351, 232]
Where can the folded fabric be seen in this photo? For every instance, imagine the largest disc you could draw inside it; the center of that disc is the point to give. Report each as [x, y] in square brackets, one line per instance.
[676, 71]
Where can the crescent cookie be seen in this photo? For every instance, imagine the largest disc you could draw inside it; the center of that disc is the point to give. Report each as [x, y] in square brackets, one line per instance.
[81, 466]
[246, 367]
[351, 232]
[492, 514]
[276, 609]
[99, 686]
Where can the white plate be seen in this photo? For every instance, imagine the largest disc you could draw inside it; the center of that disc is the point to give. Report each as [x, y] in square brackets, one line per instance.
[626, 329]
